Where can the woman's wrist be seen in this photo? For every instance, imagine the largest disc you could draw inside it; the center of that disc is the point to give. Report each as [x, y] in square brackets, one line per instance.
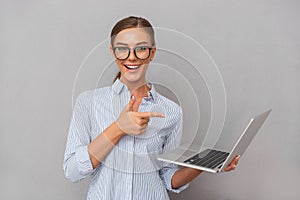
[117, 129]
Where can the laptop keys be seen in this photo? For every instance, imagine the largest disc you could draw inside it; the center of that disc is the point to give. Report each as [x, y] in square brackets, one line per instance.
[208, 158]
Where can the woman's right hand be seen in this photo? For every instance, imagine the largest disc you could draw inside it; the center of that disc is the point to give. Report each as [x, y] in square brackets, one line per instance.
[135, 123]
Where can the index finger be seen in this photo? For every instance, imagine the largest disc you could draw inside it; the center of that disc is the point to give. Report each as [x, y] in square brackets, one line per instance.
[150, 114]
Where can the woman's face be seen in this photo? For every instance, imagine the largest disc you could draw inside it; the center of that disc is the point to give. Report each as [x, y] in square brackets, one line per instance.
[132, 68]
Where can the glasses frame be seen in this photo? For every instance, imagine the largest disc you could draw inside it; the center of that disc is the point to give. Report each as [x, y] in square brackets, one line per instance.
[134, 51]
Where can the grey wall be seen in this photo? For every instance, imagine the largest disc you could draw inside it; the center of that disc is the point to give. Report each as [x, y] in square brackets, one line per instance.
[42, 44]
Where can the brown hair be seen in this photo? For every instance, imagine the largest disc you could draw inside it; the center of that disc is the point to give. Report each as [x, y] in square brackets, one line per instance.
[131, 22]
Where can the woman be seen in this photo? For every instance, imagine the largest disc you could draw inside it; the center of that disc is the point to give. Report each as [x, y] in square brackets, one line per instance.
[111, 136]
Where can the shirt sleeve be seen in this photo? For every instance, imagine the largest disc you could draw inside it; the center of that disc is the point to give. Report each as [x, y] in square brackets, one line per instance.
[77, 164]
[172, 141]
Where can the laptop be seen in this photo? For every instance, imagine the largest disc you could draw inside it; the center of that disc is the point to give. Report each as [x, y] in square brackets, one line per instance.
[211, 159]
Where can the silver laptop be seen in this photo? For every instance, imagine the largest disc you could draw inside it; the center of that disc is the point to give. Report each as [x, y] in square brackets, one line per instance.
[211, 159]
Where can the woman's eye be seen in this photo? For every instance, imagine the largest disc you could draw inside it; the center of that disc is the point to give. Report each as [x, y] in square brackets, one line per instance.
[121, 48]
[142, 48]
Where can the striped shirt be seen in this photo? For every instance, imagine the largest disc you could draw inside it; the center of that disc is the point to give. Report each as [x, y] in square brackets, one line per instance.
[131, 170]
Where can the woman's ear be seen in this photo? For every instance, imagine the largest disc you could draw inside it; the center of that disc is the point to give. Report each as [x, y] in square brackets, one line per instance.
[153, 50]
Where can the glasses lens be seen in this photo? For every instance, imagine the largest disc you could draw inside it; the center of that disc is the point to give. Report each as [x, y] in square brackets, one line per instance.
[121, 52]
[142, 52]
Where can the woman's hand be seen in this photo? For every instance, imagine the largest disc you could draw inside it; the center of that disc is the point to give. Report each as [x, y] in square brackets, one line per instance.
[233, 164]
[135, 123]
[186, 174]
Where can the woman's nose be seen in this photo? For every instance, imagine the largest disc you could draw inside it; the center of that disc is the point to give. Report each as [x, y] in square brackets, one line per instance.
[132, 55]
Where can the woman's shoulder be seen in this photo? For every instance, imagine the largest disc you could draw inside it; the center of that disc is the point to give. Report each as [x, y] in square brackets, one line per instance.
[91, 94]
[98, 91]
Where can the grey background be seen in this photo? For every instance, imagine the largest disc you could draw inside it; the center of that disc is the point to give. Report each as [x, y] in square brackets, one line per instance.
[255, 44]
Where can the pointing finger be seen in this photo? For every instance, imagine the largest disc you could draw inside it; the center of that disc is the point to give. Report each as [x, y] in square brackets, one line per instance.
[150, 114]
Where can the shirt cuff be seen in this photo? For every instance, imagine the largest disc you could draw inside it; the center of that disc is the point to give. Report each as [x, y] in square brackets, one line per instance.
[85, 166]
[168, 179]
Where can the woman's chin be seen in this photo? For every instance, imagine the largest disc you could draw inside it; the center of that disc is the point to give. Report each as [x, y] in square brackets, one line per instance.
[133, 78]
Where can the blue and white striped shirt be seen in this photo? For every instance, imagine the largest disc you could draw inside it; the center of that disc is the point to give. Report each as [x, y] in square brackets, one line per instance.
[131, 170]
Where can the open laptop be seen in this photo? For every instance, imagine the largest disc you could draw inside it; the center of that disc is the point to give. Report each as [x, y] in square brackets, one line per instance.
[215, 160]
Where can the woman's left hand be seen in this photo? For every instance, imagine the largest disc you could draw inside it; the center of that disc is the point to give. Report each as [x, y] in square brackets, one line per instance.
[186, 174]
[233, 164]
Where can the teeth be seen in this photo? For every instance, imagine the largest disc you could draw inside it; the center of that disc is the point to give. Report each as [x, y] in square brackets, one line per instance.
[132, 66]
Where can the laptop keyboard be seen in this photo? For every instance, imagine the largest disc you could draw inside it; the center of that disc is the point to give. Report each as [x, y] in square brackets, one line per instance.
[208, 158]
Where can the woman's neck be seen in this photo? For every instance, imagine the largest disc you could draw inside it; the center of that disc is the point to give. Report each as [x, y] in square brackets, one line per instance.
[138, 89]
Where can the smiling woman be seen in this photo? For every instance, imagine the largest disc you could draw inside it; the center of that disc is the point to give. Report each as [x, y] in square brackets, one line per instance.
[111, 136]
[133, 50]
[144, 26]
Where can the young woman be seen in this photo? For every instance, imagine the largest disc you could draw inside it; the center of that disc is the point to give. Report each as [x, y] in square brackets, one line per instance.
[112, 137]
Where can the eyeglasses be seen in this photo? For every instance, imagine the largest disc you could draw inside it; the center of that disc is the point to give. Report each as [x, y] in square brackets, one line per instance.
[141, 52]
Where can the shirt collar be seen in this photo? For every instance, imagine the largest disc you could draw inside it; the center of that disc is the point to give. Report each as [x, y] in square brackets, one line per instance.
[118, 87]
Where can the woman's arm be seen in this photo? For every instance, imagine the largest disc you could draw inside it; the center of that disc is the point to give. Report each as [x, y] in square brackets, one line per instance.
[103, 144]
[77, 163]
[129, 121]
[186, 174]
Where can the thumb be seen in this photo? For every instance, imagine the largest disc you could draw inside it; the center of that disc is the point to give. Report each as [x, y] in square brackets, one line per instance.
[129, 106]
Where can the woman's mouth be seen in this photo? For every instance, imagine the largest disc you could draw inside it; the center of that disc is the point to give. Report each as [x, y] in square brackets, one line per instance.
[132, 67]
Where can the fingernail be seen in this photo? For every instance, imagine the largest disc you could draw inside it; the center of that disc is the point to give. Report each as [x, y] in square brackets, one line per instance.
[160, 115]
[132, 97]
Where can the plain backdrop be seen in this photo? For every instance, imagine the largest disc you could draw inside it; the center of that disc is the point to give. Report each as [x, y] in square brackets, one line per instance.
[255, 44]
